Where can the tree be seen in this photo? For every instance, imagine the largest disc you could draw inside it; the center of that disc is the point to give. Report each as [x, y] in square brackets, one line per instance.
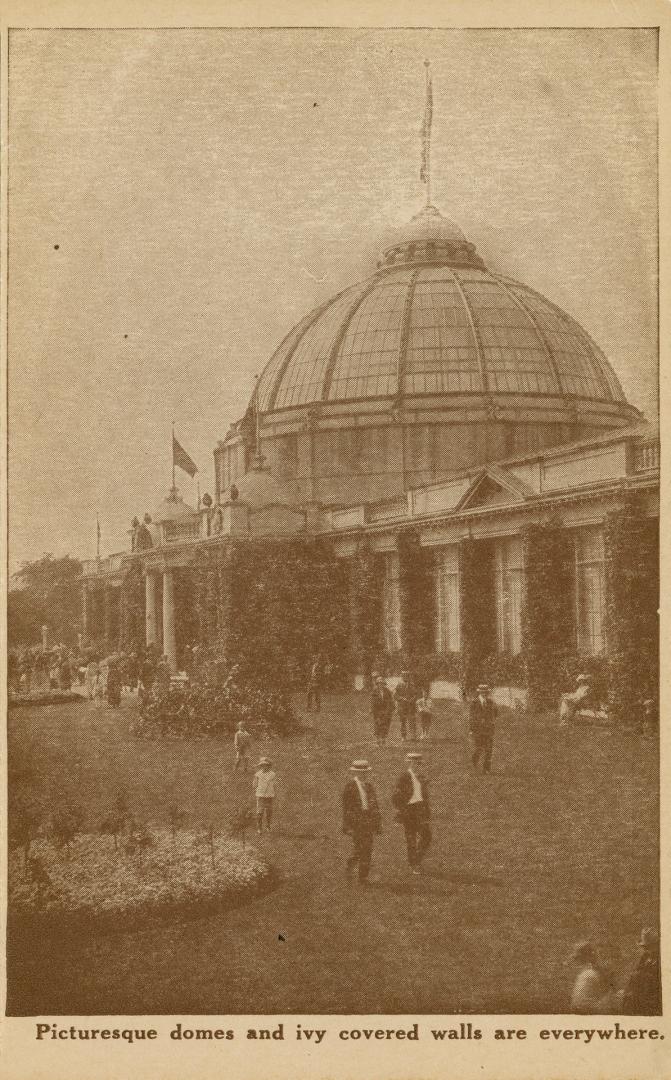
[46, 592]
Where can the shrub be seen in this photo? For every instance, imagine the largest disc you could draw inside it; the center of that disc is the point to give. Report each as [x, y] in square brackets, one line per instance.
[214, 708]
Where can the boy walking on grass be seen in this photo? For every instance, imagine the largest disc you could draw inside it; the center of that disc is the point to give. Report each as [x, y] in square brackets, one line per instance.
[263, 786]
[241, 742]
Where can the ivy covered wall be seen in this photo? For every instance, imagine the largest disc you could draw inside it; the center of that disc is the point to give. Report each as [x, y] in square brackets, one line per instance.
[631, 542]
[418, 596]
[132, 629]
[366, 583]
[276, 603]
[548, 611]
[273, 604]
[477, 610]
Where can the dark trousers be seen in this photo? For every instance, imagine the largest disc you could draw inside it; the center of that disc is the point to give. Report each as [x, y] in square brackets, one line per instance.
[417, 833]
[482, 751]
[362, 850]
[314, 698]
[407, 721]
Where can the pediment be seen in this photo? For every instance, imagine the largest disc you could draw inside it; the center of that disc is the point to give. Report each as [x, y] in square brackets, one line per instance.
[493, 487]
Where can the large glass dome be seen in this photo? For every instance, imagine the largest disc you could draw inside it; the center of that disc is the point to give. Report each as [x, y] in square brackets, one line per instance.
[434, 320]
[432, 365]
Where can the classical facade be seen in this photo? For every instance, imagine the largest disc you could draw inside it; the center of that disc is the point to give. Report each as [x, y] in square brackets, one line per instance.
[454, 457]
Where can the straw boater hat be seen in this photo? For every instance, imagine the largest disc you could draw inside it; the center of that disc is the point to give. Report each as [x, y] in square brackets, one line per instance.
[264, 761]
[360, 767]
[413, 755]
[583, 678]
[483, 688]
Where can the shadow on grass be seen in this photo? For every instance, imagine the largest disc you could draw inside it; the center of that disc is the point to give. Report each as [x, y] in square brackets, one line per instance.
[427, 883]
[456, 877]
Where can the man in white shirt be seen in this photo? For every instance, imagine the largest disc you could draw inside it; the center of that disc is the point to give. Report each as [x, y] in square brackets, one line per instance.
[361, 819]
[411, 801]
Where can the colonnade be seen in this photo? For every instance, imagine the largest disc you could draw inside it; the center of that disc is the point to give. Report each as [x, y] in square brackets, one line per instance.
[167, 613]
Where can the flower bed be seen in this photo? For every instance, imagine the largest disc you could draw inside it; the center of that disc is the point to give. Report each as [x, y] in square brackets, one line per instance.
[45, 697]
[97, 883]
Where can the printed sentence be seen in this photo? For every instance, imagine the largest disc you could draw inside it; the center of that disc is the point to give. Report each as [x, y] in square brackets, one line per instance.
[316, 1035]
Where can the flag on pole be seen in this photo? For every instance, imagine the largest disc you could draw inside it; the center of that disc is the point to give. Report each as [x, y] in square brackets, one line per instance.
[181, 459]
[426, 129]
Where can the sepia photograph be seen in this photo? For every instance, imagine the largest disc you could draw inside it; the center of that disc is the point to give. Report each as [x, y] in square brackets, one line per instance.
[333, 525]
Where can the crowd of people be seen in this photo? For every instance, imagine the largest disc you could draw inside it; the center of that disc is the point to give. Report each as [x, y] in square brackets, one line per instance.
[413, 708]
[99, 678]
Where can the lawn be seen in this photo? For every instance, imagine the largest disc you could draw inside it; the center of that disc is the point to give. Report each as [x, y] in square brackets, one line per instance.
[559, 844]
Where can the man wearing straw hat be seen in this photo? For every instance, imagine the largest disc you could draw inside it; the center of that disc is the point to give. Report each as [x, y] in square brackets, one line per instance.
[482, 718]
[361, 819]
[411, 802]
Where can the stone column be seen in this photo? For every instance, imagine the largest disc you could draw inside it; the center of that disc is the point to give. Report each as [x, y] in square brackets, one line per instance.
[107, 618]
[169, 639]
[150, 606]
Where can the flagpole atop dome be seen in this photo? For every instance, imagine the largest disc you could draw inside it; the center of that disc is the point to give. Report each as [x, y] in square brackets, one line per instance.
[425, 169]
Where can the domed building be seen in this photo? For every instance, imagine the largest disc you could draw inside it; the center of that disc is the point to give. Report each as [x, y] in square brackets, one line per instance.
[438, 470]
[432, 365]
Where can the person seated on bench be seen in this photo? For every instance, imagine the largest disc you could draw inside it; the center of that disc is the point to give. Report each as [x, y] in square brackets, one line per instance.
[572, 703]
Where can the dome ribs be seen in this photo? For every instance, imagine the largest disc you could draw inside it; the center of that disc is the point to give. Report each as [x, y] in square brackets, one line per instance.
[539, 333]
[309, 321]
[607, 373]
[474, 330]
[573, 326]
[340, 337]
[405, 335]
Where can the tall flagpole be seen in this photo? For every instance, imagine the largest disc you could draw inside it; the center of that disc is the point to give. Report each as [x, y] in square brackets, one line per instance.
[172, 453]
[425, 171]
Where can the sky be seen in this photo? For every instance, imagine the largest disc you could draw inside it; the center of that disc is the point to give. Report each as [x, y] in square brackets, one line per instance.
[179, 199]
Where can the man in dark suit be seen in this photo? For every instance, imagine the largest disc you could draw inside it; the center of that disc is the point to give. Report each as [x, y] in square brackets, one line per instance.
[361, 819]
[411, 802]
[482, 720]
[382, 708]
[643, 992]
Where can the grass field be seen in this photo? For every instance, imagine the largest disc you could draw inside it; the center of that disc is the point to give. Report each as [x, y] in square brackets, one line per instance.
[560, 843]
